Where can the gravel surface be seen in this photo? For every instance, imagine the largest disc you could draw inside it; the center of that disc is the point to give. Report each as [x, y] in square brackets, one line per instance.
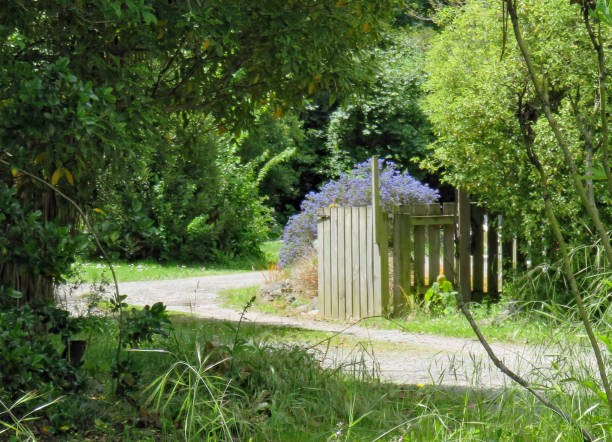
[395, 356]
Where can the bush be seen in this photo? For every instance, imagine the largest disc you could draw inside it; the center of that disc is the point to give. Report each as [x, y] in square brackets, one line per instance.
[350, 189]
[33, 252]
[192, 201]
[30, 359]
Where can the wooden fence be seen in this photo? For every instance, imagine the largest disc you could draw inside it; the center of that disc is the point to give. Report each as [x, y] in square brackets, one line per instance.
[428, 239]
[422, 234]
[427, 242]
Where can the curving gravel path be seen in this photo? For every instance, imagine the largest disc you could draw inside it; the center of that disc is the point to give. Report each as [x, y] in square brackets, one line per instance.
[395, 356]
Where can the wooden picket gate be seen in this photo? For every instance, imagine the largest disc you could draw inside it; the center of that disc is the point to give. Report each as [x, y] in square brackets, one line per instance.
[353, 258]
[353, 274]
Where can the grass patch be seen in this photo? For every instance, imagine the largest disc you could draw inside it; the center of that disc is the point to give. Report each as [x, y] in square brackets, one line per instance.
[270, 250]
[264, 390]
[150, 270]
[517, 330]
[238, 298]
[89, 272]
[526, 329]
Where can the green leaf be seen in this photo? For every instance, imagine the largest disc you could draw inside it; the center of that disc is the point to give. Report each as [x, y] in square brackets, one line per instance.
[603, 11]
[606, 340]
[149, 18]
[597, 174]
[15, 294]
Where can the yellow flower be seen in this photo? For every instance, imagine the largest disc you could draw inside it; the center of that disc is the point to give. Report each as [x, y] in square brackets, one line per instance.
[420, 385]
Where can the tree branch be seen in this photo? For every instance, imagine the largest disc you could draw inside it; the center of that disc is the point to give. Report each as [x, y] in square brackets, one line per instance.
[516, 378]
[601, 67]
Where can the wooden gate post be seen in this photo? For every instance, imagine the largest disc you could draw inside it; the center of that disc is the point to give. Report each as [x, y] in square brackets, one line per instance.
[380, 252]
[492, 257]
[463, 209]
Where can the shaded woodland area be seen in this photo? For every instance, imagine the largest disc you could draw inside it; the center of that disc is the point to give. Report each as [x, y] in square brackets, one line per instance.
[193, 132]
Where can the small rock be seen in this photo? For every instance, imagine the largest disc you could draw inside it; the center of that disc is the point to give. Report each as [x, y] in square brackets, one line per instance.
[276, 290]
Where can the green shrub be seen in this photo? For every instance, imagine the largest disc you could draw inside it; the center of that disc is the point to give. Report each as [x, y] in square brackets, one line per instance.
[190, 200]
[29, 246]
[31, 357]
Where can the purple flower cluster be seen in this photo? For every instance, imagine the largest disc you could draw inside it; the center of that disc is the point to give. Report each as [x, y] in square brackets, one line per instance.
[350, 189]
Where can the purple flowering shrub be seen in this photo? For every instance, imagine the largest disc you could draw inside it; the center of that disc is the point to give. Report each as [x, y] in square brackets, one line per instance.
[351, 189]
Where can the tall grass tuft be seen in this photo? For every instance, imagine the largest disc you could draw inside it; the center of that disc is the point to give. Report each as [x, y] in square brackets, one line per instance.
[190, 392]
[304, 275]
[14, 421]
[544, 286]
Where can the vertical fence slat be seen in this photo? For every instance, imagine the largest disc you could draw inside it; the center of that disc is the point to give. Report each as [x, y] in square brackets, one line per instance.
[434, 245]
[370, 263]
[492, 257]
[355, 261]
[320, 266]
[377, 295]
[478, 250]
[419, 249]
[449, 244]
[363, 261]
[409, 268]
[397, 259]
[341, 264]
[348, 261]
[463, 208]
[381, 264]
[334, 262]
[401, 258]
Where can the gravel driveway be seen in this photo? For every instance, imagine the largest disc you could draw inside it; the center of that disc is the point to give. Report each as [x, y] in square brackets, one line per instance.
[396, 356]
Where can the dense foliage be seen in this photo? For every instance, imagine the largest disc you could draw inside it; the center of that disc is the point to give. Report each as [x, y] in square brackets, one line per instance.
[385, 117]
[352, 188]
[30, 358]
[28, 244]
[276, 149]
[191, 200]
[484, 110]
[89, 88]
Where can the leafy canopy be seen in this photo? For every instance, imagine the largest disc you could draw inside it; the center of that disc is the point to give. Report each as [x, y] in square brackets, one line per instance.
[479, 95]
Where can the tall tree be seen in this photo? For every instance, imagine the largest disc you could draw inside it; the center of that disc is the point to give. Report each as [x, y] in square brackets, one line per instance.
[87, 85]
[484, 108]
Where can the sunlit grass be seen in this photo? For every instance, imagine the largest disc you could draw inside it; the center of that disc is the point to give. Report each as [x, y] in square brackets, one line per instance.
[149, 270]
[237, 298]
[144, 271]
